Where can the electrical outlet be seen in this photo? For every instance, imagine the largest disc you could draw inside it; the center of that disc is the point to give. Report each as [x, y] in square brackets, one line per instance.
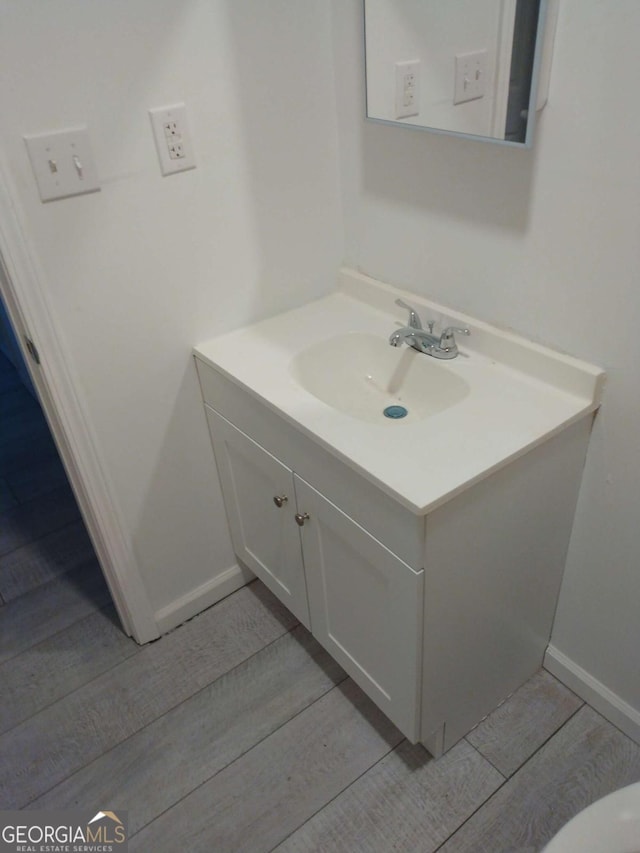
[176, 151]
[173, 140]
[471, 76]
[407, 88]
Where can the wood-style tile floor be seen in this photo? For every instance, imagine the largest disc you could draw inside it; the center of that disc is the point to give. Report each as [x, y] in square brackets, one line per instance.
[236, 731]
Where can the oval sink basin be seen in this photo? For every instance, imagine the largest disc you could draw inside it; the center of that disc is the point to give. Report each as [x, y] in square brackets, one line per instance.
[362, 375]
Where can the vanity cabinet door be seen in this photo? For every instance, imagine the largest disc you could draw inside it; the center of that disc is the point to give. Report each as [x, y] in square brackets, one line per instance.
[260, 501]
[366, 607]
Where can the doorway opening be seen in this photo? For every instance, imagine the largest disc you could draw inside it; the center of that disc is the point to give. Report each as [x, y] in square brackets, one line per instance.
[45, 550]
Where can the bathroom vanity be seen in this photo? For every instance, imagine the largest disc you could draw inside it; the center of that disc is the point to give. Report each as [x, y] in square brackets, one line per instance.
[424, 553]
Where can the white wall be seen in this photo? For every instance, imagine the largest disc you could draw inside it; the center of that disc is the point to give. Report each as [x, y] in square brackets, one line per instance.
[546, 242]
[146, 268]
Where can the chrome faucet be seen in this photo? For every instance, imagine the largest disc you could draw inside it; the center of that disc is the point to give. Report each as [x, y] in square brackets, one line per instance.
[414, 317]
[443, 346]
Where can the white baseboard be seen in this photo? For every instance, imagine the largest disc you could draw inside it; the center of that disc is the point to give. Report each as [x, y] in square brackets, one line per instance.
[605, 701]
[204, 596]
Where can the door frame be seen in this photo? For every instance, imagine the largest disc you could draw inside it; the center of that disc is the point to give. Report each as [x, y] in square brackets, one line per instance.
[29, 308]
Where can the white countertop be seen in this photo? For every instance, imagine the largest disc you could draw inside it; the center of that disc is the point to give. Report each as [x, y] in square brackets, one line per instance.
[520, 393]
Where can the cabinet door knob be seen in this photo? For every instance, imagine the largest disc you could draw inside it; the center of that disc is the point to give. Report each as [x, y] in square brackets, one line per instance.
[301, 517]
[280, 500]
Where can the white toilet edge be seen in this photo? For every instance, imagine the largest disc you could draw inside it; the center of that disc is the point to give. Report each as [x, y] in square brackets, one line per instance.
[610, 825]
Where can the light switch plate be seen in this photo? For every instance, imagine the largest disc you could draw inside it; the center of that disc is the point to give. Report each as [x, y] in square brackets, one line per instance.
[63, 163]
[471, 74]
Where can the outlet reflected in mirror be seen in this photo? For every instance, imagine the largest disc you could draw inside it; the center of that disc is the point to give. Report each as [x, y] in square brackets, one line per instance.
[467, 67]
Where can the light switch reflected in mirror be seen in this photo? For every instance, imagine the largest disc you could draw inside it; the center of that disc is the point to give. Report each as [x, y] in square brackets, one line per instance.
[469, 67]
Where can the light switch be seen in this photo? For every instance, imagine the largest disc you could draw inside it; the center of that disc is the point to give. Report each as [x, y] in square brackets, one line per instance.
[63, 163]
[471, 74]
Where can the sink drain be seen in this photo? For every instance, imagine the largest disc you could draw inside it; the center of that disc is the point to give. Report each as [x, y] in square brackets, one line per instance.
[395, 412]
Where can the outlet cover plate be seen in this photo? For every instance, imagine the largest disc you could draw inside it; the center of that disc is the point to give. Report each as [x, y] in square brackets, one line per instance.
[173, 140]
[407, 88]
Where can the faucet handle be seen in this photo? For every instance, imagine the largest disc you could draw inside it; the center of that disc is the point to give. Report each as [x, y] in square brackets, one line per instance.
[414, 317]
[447, 339]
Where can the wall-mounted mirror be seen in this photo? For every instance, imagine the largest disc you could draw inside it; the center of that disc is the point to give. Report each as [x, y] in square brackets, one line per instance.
[468, 67]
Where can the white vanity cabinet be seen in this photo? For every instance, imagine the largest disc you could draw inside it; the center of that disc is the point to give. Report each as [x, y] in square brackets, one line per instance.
[259, 497]
[366, 607]
[361, 601]
[426, 555]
